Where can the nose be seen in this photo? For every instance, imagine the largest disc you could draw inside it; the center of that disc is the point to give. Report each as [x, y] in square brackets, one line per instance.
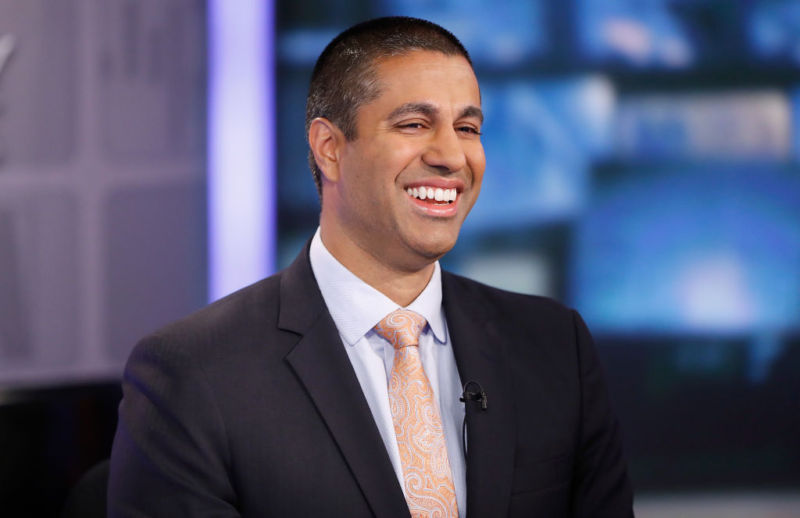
[445, 151]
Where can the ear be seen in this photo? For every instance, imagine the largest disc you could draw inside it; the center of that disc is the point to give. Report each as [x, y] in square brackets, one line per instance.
[325, 140]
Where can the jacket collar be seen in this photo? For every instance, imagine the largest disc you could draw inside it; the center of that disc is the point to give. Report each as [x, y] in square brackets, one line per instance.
[321, 363]
[479, 349]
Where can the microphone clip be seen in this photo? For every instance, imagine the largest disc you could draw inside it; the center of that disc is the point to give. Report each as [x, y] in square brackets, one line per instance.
[478, 395]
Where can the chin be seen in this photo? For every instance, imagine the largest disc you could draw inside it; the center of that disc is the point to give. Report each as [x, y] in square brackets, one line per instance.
[435, 249]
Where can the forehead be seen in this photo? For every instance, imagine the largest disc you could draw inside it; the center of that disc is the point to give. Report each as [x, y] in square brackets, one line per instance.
[426, 76]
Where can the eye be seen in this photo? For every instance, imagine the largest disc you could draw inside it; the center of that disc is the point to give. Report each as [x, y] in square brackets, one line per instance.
[412, 127]
[471, 130]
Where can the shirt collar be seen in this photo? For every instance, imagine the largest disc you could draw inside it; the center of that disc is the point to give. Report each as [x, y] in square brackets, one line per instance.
[356, 307]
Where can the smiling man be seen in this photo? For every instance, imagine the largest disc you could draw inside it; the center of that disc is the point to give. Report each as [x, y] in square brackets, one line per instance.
[339, 386]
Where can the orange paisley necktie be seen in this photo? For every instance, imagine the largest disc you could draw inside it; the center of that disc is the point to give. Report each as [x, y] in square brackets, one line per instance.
[417, 425]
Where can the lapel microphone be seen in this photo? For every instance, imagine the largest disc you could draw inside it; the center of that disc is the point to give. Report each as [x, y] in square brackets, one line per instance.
[477, 395]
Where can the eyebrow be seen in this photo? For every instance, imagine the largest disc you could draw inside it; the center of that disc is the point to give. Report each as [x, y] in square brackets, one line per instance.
[472, 111]
[429, 110]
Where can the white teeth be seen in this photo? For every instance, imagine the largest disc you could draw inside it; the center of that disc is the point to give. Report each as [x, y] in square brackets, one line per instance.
[430, 193]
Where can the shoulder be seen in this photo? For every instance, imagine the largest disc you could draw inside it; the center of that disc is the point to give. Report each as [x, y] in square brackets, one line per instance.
[504, 304]
[226, 328]
[254, 306]
[529, 326]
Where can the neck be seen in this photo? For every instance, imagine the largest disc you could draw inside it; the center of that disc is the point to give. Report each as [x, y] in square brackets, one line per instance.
[401, 285]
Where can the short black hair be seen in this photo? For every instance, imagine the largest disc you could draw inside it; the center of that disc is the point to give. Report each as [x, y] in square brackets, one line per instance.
[344, 76]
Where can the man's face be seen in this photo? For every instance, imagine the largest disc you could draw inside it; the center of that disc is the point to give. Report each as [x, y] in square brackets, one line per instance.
[414, 170]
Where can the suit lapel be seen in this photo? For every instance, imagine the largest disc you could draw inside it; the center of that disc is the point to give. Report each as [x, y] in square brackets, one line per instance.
[323, 367]
[479, 352]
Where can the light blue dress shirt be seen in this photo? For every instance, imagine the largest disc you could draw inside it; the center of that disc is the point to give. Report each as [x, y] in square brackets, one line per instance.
[356, 307]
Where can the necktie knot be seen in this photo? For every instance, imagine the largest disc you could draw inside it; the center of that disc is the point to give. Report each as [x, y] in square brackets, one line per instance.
[401, 328]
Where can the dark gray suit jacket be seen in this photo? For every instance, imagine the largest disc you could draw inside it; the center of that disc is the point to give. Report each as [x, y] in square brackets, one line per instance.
[250, 407]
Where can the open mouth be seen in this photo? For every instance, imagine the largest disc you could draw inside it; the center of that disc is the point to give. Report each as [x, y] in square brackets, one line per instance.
[433, 194]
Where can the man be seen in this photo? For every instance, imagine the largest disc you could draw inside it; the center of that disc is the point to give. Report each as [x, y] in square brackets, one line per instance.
[332, 388]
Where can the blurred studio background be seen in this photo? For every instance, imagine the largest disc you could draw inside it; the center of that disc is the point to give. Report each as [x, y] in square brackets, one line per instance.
[643, 167]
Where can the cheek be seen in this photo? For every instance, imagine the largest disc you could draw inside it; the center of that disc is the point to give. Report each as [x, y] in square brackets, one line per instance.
[379, 163]
[399, 155]
[477, 161]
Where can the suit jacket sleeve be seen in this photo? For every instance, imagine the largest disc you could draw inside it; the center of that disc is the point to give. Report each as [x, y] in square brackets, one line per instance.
[170, 453]
[601, 485]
